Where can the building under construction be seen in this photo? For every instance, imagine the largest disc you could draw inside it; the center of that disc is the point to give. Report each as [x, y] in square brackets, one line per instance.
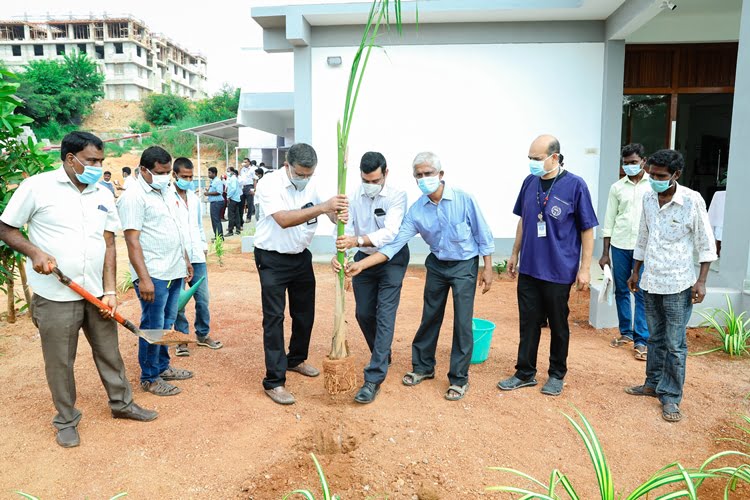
[135, 61]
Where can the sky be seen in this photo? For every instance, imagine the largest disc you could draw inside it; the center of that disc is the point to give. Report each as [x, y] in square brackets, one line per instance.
[222, 30]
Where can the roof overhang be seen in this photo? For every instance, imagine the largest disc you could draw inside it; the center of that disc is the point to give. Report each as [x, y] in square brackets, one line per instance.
[271, 112]
[225, 130]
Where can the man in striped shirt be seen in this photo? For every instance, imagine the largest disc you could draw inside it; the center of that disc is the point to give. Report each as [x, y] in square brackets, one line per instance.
[158, 264]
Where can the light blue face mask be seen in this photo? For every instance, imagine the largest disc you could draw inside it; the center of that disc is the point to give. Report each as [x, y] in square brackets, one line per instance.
[429, 185]
[90, 175]
[631, 170]
[660, 186]
[185, 185]
[536, 167]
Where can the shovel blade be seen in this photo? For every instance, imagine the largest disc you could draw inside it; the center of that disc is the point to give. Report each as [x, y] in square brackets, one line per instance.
[165, 337]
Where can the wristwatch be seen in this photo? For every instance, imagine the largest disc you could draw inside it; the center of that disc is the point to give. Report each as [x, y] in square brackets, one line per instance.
[360, 241]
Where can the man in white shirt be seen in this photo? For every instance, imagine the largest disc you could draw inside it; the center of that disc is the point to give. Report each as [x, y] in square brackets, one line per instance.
[289, 209]
[71, 226]
[247, 183]
[127, 179]
[620, 231]
[190, 216]
[375, 215]
[158, 263]
[674, 226]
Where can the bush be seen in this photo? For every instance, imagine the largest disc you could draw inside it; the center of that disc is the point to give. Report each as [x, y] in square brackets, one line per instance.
[137, 127]
[62, 91]
[165, 109]
[54, 131]
[113, 149]
[221, 106]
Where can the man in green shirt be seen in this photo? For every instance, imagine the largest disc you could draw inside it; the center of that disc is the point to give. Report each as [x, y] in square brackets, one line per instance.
[624, 208]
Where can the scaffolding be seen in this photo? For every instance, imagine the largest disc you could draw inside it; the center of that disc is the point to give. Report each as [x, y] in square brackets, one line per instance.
[11, 32]
[81, 32]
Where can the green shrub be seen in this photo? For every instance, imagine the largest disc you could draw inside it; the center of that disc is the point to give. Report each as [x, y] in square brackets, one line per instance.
[114, 149]
[52, 130]
[137, 127]
[165, 109]
[731, 329]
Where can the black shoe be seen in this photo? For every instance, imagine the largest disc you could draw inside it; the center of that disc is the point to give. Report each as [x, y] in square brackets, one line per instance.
[68, 437]
[135, 412]
[367, 393]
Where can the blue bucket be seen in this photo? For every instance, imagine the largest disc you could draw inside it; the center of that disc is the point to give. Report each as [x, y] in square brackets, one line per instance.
[482, 330]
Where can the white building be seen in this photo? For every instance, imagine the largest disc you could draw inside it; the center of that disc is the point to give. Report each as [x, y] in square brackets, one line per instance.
[479, 79]
[134, 61]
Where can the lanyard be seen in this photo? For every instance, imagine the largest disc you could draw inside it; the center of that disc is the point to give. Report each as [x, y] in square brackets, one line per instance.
[541, 205]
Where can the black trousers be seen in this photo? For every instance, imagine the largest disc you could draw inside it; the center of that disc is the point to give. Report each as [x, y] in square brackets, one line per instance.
[281, 274]
[234, 210]
[460, 277]
[246, 202]
[377, 291]
[216, 207]
[538, 299]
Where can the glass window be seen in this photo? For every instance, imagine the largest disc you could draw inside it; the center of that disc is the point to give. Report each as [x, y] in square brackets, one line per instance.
[645, 120]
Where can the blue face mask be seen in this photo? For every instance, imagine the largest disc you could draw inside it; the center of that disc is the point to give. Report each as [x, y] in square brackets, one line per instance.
[660, 186]
[536, 167]
[632, 170]
[90, 175]
[185, 185]
[429, 185]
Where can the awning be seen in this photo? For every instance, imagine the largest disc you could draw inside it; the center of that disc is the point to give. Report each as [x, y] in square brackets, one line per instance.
[225, 130]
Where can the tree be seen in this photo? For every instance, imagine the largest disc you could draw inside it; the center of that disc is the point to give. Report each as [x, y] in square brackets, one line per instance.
[338, 369]
[221, 106]
[165, 109]
[62, 91]
[18, 160]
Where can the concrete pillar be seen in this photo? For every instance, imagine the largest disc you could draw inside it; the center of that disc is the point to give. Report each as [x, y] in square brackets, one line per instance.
[609, 154]
[735, 246]
[303, 94]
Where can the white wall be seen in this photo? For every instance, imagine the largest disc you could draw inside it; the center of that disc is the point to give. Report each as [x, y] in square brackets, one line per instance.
[477, 106]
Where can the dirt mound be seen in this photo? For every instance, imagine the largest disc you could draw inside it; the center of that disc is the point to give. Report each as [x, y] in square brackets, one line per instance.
[113, 116]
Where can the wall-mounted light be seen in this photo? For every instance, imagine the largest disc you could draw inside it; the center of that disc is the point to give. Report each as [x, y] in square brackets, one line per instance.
[334, 61]
[666, 5]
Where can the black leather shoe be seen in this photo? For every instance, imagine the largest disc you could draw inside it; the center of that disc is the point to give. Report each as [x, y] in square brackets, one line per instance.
[367, 393]
[135, 412]
[68, 437]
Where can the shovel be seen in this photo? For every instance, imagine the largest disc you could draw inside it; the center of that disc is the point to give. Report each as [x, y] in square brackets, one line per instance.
[160, 337]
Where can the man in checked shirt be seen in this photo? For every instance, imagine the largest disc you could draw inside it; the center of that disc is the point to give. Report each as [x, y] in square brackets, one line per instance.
[674, 225]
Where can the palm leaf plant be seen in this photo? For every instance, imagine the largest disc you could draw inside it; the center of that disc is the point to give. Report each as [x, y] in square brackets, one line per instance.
[670, 475]
[732, 330]
[378, 17]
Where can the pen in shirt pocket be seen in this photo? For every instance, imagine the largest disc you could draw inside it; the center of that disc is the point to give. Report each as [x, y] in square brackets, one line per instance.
[103, 209]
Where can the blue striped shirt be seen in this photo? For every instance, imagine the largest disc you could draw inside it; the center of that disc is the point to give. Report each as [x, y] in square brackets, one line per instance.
[454, 228]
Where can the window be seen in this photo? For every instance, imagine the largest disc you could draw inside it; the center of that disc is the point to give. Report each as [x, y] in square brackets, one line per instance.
[120, 92]
[58, 31]
[138, 50]
[184, 73]
[82, 48]
[99, 52]
[81, 31]
[141, 73]
[38, 50]
[60, 48]
[16, 50]
[118, 47]
[119, 70]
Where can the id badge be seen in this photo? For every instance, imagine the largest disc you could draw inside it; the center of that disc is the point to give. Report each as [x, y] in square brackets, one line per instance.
[541, 229]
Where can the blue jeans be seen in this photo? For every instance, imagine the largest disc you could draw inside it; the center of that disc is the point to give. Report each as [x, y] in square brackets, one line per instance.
[202, 315]
[157, 315]
[634, 328]
[667, 317]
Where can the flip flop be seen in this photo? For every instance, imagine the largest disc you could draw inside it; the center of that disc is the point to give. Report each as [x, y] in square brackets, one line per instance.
[413, 378]
[456, 392]
[640, 352]
[620, 341]
[671, 412]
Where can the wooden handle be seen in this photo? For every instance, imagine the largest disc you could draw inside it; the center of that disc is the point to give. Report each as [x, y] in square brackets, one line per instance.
[90, 298]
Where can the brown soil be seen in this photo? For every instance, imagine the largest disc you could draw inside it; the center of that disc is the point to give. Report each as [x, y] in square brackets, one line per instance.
[113, 116]
[223, 438]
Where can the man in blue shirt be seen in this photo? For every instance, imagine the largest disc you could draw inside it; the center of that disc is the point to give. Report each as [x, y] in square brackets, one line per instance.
[557, 220]
[214, 192]
[234, 199]
[451, 223]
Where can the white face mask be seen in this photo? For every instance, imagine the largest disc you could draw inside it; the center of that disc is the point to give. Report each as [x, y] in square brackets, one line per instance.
[160, 181]
[372, 190]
